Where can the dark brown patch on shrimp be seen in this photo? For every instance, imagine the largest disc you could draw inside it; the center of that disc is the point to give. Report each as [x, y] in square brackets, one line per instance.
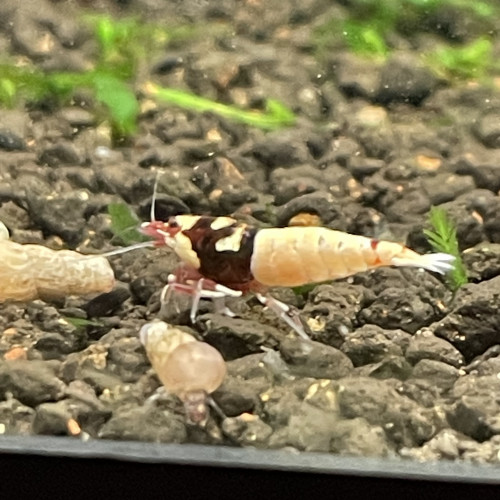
[230, 268]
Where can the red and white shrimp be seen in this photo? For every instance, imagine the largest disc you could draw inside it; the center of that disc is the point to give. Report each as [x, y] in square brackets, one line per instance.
[224, 257]
[29, 272]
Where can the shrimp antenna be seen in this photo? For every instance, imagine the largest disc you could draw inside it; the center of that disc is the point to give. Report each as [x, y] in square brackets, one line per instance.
[129, 230]
[152, 215]
[142, 244]
[135, 246]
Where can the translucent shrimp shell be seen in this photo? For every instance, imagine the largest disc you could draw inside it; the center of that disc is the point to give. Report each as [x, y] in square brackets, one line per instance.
[29, 272]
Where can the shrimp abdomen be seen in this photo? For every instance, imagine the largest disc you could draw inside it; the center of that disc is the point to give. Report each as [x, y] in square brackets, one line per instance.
[295, 256]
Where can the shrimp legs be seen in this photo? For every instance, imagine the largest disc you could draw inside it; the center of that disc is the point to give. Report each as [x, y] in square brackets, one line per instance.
[188, 281]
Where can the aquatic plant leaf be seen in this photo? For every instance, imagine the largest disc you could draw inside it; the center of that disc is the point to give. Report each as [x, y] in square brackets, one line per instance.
[472, 60]
[7, 91]
[124, 223]
[277, 115]
[81, 322]
[443, 238]
[364, 38]
[23, 81]
[120, 101]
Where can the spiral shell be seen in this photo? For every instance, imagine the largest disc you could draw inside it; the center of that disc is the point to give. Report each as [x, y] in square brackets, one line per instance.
[186, 367]
[182, 363]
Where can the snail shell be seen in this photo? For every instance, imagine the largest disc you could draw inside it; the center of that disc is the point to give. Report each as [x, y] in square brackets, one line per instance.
[183, 364]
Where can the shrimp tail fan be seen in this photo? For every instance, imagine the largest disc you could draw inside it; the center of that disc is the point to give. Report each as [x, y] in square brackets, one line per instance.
[440, 263]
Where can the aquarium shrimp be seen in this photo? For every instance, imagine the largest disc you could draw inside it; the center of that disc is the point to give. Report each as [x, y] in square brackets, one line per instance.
[29, 272]
[190, 369]
[222, 257]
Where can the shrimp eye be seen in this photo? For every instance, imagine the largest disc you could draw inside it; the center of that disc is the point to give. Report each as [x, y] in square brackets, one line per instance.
[172, 223]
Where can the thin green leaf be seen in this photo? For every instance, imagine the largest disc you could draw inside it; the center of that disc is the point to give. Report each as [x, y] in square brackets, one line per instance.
[472, 60]
[277, 115]
[119, 99]
[82, 322]
[364, 38]
[107, 34]
[124, 223]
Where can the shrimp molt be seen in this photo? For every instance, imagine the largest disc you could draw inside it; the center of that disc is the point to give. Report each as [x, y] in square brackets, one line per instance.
[29, 272]
[190, 369]
[231, 256]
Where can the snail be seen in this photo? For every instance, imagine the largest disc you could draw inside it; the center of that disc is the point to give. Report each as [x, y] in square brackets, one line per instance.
[190, 369]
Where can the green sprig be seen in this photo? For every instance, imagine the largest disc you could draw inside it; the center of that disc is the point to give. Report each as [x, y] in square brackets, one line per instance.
[443, 238]
[472, 60]
[124, 223]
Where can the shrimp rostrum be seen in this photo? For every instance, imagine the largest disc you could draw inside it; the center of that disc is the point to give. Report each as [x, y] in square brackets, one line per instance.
[223, 257]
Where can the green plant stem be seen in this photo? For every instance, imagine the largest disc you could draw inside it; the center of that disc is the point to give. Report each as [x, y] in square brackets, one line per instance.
[276, 115]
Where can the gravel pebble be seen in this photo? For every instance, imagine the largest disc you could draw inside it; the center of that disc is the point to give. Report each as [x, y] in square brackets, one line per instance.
[472, 324]
[424, 345]
[314, 359]
[370, 344]
[374, 145]
[146, 423]
[376, 401]
[9, 141]
[476, 412]
[30, 382]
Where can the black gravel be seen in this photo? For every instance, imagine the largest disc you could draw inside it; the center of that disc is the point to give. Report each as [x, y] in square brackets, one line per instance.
[397, 366]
